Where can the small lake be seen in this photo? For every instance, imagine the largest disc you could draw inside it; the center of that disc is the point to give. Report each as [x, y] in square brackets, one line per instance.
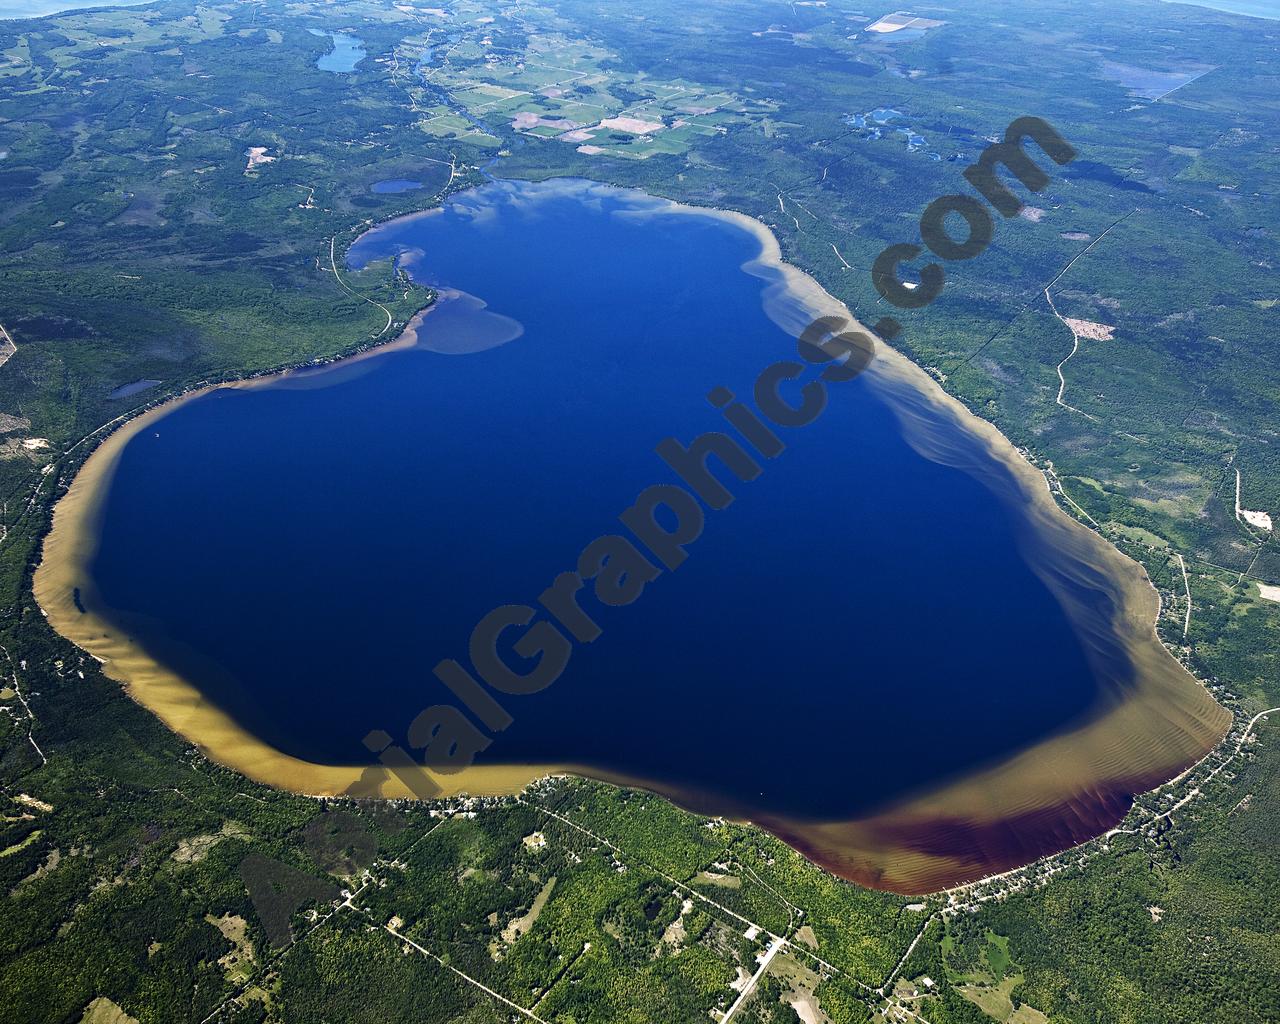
[134, 388]
[863, 624]
[393, 186]
[347, 52]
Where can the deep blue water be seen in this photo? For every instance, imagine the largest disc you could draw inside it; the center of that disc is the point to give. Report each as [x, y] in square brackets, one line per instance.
[858, 623]
[347, 52]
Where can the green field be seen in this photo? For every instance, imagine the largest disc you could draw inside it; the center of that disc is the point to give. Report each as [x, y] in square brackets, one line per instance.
[137, 244]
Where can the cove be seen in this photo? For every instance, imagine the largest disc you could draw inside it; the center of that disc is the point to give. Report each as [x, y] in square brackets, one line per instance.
[892, 649]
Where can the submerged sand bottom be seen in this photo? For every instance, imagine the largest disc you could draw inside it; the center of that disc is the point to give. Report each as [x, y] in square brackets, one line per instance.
[1051, 796]
[1048, 798]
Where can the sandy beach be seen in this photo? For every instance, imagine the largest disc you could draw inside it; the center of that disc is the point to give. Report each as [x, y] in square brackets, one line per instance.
[1051, 796]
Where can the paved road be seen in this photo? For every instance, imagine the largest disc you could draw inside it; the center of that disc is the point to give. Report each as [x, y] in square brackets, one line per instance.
[7, 347]
[774, 948]
[466, 977]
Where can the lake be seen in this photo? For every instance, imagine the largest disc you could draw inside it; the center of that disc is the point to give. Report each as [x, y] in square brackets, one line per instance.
[890, 649]
[347, 52]
[394, 186]
[134, 388]
[10, 9]
[1253, 8]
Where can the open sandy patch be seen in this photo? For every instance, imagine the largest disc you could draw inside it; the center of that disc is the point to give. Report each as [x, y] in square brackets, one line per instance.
[632, 125]
[1090, 329]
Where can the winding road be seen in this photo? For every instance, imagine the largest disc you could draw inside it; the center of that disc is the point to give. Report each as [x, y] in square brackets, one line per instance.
[333, 263]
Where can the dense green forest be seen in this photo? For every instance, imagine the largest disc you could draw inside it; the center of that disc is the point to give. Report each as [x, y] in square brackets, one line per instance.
[178, 184]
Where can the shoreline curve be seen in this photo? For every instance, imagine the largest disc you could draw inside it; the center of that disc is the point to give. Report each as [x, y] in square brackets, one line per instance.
[1053, 795]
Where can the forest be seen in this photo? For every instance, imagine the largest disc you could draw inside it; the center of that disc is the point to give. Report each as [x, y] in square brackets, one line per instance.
[140, 242]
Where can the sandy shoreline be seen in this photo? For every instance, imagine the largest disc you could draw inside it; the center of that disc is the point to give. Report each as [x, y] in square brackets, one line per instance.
[66, 555]
[1056, 794]
[1150, 734]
